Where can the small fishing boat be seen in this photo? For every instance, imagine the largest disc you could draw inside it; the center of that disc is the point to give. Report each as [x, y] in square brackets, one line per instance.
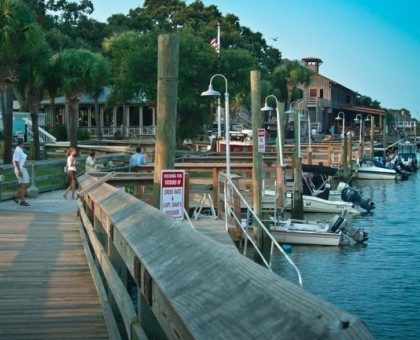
[408, 155]
[338, 232]
[372, 168]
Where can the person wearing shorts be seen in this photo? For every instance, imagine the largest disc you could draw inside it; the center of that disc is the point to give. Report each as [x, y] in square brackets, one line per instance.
[19, 159]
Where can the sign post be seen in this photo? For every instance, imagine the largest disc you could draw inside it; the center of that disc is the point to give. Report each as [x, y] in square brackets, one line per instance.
[261, 140]
[172, 193]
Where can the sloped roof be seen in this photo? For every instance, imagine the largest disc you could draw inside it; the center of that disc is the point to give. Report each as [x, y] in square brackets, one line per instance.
[87, 98]
[364, 109]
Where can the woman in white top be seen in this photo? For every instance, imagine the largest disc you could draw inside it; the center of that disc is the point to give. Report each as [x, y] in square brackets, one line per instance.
[71, 172]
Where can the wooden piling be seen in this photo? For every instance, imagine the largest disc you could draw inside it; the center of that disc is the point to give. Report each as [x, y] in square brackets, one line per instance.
[166, 111]
[297, 197]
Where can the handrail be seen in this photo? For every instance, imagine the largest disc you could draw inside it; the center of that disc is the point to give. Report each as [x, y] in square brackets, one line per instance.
[262, 226]
[47, 137]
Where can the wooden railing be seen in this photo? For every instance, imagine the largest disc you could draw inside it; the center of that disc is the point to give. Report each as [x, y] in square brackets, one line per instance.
[49, 175]
[190, 287]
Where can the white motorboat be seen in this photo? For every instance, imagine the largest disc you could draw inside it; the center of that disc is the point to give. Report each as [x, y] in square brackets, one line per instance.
[335, 233]
[319, 205]
[371, 168]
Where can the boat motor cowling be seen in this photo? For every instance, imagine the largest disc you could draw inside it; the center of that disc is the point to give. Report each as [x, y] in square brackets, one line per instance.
[352, 195]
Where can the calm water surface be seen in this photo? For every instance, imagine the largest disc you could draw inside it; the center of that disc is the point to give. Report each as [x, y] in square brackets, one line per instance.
[378, 282]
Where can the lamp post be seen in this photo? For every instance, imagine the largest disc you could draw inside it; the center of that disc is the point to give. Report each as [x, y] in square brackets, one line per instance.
[340, 116]
[279, 132]
[219, 118]
[370, 119]
[280, 169]
[213, 93]
[359, 119]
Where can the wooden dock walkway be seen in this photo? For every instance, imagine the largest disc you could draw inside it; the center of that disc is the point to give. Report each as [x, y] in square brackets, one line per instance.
[46, 288]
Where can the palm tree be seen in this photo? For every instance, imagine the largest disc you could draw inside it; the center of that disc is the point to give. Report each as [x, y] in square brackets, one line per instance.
[19, 36]
[30, 87]
[78, 71]
[101, 77]
[288, 76]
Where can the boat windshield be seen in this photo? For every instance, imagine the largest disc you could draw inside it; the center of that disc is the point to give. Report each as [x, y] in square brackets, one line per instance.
[372, 162]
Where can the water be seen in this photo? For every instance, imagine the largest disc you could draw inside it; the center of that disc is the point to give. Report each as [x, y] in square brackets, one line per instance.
[378, 282]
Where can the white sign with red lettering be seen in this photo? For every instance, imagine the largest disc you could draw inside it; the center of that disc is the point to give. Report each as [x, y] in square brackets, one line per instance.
[172, 188]
[261, 140]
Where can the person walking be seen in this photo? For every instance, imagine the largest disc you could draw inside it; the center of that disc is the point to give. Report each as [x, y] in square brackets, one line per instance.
[90, 165]
[71, 172]
[19, 159]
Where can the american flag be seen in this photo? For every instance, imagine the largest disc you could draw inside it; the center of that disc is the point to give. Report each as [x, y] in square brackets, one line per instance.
[214, 43]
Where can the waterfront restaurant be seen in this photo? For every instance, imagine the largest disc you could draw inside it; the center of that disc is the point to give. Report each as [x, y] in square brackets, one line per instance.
[129, 120]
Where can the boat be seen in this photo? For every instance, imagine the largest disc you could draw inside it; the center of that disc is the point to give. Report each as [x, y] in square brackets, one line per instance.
[338, 232]
[318, 196]
[320, 205]
[372, 168]
[407, 154]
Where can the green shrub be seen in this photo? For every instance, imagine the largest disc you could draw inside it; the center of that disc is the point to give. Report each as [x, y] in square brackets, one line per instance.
[83, 134]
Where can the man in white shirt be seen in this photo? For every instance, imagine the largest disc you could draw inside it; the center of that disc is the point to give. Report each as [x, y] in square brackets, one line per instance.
[19, 158]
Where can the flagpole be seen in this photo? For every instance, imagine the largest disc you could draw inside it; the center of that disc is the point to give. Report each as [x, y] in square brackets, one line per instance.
[218, 38]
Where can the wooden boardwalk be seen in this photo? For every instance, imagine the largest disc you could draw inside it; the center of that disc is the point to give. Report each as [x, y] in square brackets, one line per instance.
[46, 288]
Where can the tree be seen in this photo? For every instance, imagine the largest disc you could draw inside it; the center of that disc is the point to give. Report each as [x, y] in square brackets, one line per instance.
[31, 86]
[78, 74]
[287, 77]
[19, 38]
[101, 77]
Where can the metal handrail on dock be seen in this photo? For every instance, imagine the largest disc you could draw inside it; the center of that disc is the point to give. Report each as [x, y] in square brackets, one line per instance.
[274, 244]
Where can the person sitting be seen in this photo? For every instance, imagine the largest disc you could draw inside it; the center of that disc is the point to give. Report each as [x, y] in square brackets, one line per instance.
[138, 158]
[90, 165]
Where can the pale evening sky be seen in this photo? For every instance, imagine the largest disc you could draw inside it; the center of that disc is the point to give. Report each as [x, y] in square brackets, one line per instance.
[369, 46]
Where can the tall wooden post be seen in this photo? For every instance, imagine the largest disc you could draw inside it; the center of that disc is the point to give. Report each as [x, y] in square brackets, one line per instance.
[385, 138]
[256, 156]
[372, 126]
[344, 158]
[297, 197]
[166, 111]
[350, 152]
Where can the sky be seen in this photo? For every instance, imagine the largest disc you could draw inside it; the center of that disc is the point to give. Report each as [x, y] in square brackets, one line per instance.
[369, 46]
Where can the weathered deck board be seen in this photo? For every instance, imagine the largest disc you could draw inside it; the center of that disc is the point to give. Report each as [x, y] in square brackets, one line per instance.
[46, 289]
[215, 229]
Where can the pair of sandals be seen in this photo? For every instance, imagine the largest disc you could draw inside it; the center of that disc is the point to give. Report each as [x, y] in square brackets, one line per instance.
[24, 203]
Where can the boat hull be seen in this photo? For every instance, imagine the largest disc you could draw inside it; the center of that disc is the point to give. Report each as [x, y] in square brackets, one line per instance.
[307, 238]
[372, 174]
[318, 205]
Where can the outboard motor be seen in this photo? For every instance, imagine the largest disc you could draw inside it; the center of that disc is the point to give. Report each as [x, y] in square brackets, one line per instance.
[359, 235]
[352, 195]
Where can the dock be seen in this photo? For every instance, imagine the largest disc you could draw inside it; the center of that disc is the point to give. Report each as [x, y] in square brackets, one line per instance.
[46, 289]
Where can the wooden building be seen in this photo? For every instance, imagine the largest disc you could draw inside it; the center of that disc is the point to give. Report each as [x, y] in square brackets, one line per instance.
[132, 119]
[325, 98]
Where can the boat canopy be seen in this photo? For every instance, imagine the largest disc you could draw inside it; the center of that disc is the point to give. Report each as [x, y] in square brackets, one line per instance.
[319, 169]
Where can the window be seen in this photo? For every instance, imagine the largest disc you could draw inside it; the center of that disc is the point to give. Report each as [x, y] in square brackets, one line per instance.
[321, 93]
[134, 119]
[120, 113]
[147, 116]
[313, 92]
[108, 117]
[83, 117]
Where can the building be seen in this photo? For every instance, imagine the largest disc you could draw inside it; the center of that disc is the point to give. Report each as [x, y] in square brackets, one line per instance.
[128, 120]
[327, 99]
